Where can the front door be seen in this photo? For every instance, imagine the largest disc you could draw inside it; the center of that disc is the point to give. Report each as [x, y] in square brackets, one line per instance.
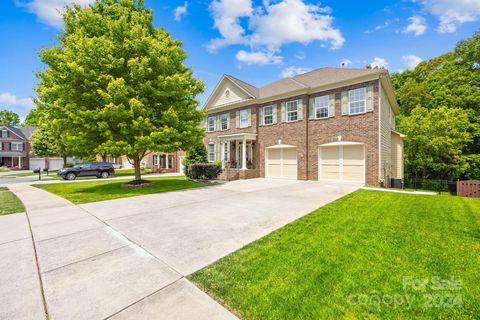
[181, 169]
[240, 155]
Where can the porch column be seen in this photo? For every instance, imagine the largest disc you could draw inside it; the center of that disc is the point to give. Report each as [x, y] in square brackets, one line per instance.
[166, 160]
[244, 154]
[222, 154]
[19, 162]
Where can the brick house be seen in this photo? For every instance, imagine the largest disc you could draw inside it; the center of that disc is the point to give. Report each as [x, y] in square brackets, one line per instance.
[331, 124]
[162, 162]
[14, 148]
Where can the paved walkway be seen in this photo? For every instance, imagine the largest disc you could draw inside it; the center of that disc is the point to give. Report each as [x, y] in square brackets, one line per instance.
[127, 258]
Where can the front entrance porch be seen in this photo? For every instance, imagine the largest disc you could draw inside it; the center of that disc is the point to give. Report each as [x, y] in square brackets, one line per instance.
[238, 156]
[13, 162]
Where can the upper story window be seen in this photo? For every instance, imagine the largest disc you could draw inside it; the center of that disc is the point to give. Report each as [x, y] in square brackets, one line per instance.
[268, 115]
[4, 134]
[211, 152]
[224, 121]
[321, 107]
[292, 110]
[244, 118]
[211, 124]
[17, 146]
[357, 100]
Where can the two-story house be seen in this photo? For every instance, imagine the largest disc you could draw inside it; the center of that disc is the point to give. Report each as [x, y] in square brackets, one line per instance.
[14, 148]
[330, 124]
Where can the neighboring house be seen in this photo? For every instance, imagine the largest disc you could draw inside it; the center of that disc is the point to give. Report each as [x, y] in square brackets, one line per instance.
[156, 161]
[332, 124]
[14, 148]
[16, 151]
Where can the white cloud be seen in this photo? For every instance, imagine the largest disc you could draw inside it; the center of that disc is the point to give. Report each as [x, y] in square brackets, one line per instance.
[379, 63]
[411, 61]
[300, 55]
[180, 11]
[417, 26]
[9, 100]
[293, 71]
[258, 57]
[271, 25]
[345, 63]
[48, 11]
[452, 13]
[380, 26]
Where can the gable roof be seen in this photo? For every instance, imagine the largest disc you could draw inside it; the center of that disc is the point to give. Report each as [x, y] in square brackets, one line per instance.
[16, 131]
[306, 81]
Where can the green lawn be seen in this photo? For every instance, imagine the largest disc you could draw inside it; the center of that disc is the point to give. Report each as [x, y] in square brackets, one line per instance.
[351, 258]
[30, 173]
[130, 172]
[9, 203]
[83, 192]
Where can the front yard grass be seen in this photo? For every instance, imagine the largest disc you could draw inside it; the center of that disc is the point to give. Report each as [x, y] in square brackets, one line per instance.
[9, 202]
[352, 258]
[84, 192]
[130, 172]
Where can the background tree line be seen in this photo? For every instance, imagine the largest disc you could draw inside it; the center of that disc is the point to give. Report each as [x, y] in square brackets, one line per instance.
[440, 114]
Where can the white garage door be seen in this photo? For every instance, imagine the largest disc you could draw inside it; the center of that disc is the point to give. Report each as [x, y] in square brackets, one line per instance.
[281, 163]
[36, 163]
[345, 163]
[55, 163]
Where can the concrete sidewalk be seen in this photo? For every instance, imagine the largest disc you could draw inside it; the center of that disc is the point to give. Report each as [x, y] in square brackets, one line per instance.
[87, 269]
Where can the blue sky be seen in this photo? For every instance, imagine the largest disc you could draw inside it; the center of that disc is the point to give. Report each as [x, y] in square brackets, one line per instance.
[256, 41]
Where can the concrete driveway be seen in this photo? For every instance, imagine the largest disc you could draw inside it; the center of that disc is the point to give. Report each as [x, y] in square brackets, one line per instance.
[127, 258]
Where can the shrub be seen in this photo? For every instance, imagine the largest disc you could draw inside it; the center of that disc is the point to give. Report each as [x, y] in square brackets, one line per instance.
[68, 164]
[203, 171]
[196, 154]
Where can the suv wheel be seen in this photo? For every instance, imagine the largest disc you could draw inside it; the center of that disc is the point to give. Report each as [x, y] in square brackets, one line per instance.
[71, 176]
[104, 174]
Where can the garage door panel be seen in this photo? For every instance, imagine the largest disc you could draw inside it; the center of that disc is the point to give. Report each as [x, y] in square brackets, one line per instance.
[330, 172]
[344, 163]
[282, 163]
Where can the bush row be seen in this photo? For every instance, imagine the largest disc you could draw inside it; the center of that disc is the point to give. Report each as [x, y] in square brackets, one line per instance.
[204, 171]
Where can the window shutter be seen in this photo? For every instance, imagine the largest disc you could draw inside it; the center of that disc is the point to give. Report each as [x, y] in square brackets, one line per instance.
[331, 105]
[218, 125]
[217, 152]
[249, 117]
[274, 113]
[260, 116]
[369, 98]
[237, 117]
[228, 120]
[311, 109]
[283, 111]
[300, 109]
[344, 102]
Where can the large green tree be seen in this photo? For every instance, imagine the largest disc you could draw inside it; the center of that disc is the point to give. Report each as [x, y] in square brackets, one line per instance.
[115, 84]
[450, 81]
[9, 118]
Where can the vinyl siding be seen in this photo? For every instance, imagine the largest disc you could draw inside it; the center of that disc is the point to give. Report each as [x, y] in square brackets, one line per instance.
[235, 94]
[386, 127]
[397, 156]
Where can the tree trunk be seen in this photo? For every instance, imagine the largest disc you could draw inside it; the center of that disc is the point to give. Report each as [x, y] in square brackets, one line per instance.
[64, 162]
[136, 165]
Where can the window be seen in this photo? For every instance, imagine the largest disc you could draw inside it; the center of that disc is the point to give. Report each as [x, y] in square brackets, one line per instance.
[211, 124]
[224, 121]
[268, 115]
[4, 134]
[292, 111]
[227, 93]
[211, 152]
[155, 159]
[17, 146]
[244, 118]
[357, 100]
[321, 107]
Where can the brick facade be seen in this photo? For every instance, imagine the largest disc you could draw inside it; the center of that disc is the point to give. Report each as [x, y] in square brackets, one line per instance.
[306, 135]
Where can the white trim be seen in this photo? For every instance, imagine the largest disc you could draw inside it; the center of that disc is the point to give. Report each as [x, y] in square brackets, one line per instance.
[217, 87]
[340, 145]
[239, 136]
[287, 112]
[364, 101]
[278, 146]
[315, 107]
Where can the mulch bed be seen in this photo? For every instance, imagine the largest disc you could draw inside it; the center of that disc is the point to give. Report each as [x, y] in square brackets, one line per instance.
[137, 184]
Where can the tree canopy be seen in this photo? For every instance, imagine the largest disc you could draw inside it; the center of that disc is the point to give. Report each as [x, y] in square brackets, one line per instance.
[9, 118]
[115, 84]
[440, 113]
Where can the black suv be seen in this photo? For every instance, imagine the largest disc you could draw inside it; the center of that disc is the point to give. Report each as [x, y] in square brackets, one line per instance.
[97, 169]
